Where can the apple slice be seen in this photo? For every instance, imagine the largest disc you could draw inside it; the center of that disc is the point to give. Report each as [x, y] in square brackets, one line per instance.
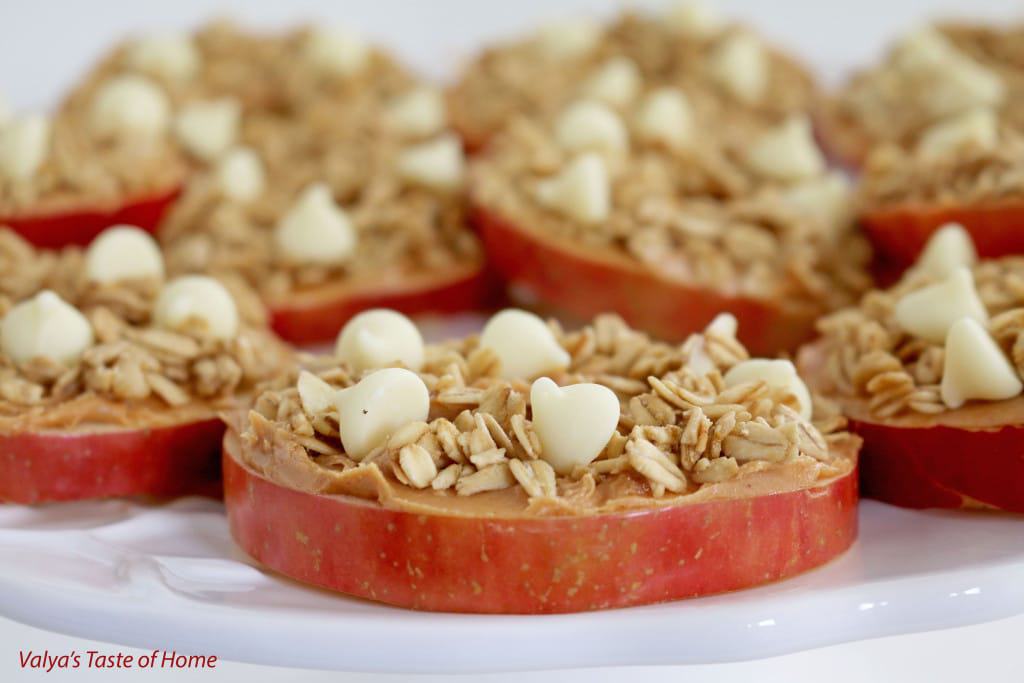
[80, 225]
[317, 314]
[84, 463]
[586, 281]
[459, 562]
[899, 233]
[972, 457]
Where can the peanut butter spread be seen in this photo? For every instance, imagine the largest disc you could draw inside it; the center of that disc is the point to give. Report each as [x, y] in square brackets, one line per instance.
[682, 435]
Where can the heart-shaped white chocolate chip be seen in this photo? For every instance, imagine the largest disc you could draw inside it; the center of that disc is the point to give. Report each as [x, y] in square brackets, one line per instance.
[44, 326]
[24, 143]
[693, 19]
[380, 337]
[380, 403]
[337, 50]
[315, 229]
[591, 126]
[208, 129]
[949, 248]
[197, 300]
[172, 56]
[316, 395]
[976, 129]
[524, 345]
[573, 423]
[569, 38]
[616, 83]
[929, 312]
[240, 175]
[975, 367]
[581, 191]
[666, 118]
[129, 104]
[438, 164]
[787, 153]
[417, 113]
[123, 252]
[780, 375]
[739, 66]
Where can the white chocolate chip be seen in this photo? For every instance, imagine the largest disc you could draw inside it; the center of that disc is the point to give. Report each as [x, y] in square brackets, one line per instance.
[975, 367]
[616, 83]
[739, 66]
[949, 248]
[315, 229]
[418, 113]
[924, 48]
[197, 300]
[172, 56]
[591, 126]
[44, 326]
[569, 39]
[581, 191]
[524, 344]
[780, 375]
[338, 51]
[381, 403]
[929, 312]
[693, 19]
[826, 198]
[573, 423]
[975, 129]
[724, 324]
[123, 252]
[438, 164]
[24, 144]
[964, 84]
[208, 129]
[666, 118]
[378, 338]
[787, 153]
[129, 104]
[240, 175]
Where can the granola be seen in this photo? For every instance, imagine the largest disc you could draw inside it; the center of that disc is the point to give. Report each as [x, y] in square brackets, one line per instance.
[680, 428]
[519, 78]
[867, 354]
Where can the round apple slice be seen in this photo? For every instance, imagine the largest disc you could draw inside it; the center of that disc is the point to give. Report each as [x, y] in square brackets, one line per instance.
[317, 314]
[586, 281]
[478, 561]
[103, 462]
[899, 233]
[972, 457]
[80, 225]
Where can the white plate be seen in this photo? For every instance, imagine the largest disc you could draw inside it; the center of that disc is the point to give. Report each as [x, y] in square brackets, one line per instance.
[169, 577]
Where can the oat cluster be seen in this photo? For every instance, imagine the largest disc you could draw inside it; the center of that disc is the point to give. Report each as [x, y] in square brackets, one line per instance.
[869, 356]
[680, 427]
[699, 215]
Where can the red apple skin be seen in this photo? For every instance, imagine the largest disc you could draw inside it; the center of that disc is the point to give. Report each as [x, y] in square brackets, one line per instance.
[79, 227]
[317, 316]
[899, 233]
[587, 284]
[50, 466]
[541, 564]
[943, 467]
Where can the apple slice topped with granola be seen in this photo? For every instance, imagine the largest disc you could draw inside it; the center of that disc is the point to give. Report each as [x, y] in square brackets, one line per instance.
[528, 469]
[112, 377]
[929, 374]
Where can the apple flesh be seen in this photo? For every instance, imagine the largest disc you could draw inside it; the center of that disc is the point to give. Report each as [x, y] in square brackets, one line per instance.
[49, 466]
[80, 226]
[533, 565]
[586, 282]
[316, 315]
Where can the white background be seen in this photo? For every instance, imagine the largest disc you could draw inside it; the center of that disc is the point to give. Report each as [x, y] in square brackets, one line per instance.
[44, 45]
